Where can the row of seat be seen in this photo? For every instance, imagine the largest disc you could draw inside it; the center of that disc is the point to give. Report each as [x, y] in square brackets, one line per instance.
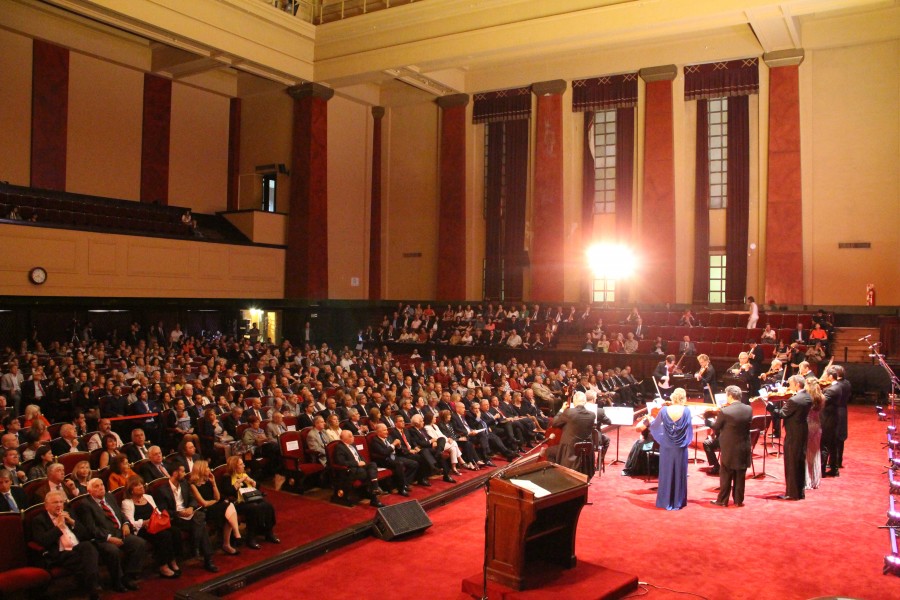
[65, 201]
[97, 221]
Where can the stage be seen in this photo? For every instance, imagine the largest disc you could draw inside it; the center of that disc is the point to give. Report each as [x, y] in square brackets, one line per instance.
[826, 545]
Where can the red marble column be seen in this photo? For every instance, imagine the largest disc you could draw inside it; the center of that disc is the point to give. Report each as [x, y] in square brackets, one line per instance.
[155, 139]
[375, 216]
[547, 258]
[657, 247]
[306, 260]
[451, 280]
[784, 242]
[234, 152]
[49, 115]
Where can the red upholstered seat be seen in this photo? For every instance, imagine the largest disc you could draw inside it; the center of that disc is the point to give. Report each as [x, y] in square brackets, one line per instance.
[17, 576]
[294, 455]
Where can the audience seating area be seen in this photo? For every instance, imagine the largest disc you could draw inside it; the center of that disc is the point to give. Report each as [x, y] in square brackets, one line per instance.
[83, 211]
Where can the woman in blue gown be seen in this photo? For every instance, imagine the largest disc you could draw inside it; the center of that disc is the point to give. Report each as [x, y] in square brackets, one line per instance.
[672, 430]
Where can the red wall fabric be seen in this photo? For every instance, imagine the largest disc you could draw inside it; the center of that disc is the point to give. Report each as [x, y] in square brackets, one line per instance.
[306, 260]
[49, 115]
[657, 248]
[155, 139]
[375, 212]
[451, 259]
[234, 151]
[549, 235]
[784, 242]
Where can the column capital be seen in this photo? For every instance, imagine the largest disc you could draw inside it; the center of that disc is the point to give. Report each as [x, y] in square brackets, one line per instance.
[549, 88]
[452, 100]
[784, 58]
[310, 90]
[660, 73]
[377, 112]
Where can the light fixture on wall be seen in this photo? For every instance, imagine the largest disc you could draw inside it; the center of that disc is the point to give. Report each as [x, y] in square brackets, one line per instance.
[411, 76]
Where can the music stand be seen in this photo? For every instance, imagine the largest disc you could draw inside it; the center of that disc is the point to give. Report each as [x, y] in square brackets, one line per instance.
[619, 416]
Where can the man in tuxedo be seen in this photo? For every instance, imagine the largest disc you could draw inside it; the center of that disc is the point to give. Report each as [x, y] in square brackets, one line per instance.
[663, 373]
[66, 543]
[412, 451]
[176, 498]
[834, 421]
[121, 550]
[732, 427]
[138, 449]
[793, 413]
[755, 356]
[308, 416]
[384, 453]
[154, 468]
[12, 498]
[346, 455]
[577, 424]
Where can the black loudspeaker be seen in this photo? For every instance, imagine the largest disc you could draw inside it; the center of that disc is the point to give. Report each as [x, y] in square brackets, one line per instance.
[400, 519]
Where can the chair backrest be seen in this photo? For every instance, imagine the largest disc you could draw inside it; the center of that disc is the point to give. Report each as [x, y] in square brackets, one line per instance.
[12, 551]
[760, 422]
[53, 429]
[28, 516]
[362, 445]
[330, 449]
[291, 446]
[29, 487]
[754, 438]
[307, 454]
[70, 459]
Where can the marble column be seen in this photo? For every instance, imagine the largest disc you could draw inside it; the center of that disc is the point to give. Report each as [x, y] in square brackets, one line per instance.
[784, 242]
[548, 241]
[451, 259]
[306, 259]
[375, 212]
[657, 246]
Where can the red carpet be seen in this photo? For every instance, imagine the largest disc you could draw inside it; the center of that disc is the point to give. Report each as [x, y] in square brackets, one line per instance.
[826, 545]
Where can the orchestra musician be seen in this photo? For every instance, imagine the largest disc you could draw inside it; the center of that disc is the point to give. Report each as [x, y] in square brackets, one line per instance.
[732, 427]
[794, 413]
[663, 375]
[744, 372]
[707, 378]
[774, 376]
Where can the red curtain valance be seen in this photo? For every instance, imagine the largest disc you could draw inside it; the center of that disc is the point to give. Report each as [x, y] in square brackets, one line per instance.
[721, 79]
[502, 105]
[604, 93]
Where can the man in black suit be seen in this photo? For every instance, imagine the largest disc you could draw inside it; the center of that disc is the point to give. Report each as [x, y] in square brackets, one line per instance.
[799, 335]
[121, 550]
[137, 449]
[67, 441]
[412, 451]
[508, 432]
[432, 449]
[577, 424]
[176, 498]
[465, 435]
[154, 468]
[834, 420]
[490, 440]
[732, 427]
[384, 453]
[346, 455]
[12, 498]
[793, 413]
[755, 356]
[33, 390]
[66, 543]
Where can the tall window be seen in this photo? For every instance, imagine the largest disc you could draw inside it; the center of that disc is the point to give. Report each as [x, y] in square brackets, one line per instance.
[605, 162]
[717, 115]
[268, 192]
[604, 291]
[717, 278]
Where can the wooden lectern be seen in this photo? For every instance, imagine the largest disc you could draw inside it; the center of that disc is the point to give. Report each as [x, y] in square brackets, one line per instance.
[533, 512]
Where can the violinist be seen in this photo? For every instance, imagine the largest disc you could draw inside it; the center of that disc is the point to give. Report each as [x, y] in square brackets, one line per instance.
[663, 374]
[744, 371]
[772, 378]
[707, 378]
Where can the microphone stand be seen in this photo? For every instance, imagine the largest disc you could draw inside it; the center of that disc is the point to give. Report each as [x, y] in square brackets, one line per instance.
[499, 473]
[895, 382]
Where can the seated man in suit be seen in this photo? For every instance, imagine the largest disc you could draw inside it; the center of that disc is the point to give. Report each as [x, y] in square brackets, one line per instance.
[66, 543]
[176, 498]
[317, 440]
[56, 482]
[490, 441]
[412, 451]
[432, 449]
[799, 335]
[384, 453]
[154, 468]
[138, 450]
[346, 455]
[12, 498]
[687, 347]
[121, 550]
[12, 465]
[67, 441]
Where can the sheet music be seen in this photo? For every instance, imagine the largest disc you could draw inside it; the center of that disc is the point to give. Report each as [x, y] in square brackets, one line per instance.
[620, 415]
[532, 487]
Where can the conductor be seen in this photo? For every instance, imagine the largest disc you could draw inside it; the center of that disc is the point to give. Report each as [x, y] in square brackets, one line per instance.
[577, 424]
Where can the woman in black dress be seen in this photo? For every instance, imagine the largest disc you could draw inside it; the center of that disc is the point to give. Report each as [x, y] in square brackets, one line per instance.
[219, 512]
[138, 507]
[259, 514]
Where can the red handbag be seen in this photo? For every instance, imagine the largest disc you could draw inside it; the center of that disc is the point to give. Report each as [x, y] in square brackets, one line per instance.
[159, 521]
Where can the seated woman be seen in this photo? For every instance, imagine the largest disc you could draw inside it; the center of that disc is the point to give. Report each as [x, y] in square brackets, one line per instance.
[138, 508]
[333, 428]
[81, 474]
[44, 458]
[119, 472]
[467, 449]
[434, 433]
[603, 344]
[33, 413]
[818, 334]
[110, 450]
[219, 512]
[242, 490]
[769, 336]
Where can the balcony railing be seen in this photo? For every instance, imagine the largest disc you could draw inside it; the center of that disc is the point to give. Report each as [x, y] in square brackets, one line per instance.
[318, 12]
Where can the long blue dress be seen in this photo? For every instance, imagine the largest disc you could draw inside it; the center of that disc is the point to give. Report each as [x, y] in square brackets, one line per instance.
[674, 437]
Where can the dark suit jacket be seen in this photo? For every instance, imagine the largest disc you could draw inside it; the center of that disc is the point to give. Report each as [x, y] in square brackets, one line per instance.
[19, 497]
[96, 521]
[800, 336]
[46, 534]
[343, 456]
[165, 499]
[733, 428]
[61, 446]
[28, 392]
[577, 424]
[457, 422]
[150, 472]
[305, 420]
[382, 452]
[132, 452]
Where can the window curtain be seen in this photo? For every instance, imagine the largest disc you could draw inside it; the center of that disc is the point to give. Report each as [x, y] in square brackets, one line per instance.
[735, 80]
[587, 180]
[701, 209]
[624, 171]
[505, 114]
[737, 217]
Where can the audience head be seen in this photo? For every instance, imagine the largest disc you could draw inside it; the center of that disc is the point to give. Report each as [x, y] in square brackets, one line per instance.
[55, 501]
[579, 399]
[96, 488]
[134, 487]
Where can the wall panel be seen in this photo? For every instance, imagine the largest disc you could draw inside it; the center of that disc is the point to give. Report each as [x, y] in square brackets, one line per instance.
[15, 108]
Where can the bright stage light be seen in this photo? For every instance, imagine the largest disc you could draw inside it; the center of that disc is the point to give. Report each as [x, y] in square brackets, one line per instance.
[611, 261]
